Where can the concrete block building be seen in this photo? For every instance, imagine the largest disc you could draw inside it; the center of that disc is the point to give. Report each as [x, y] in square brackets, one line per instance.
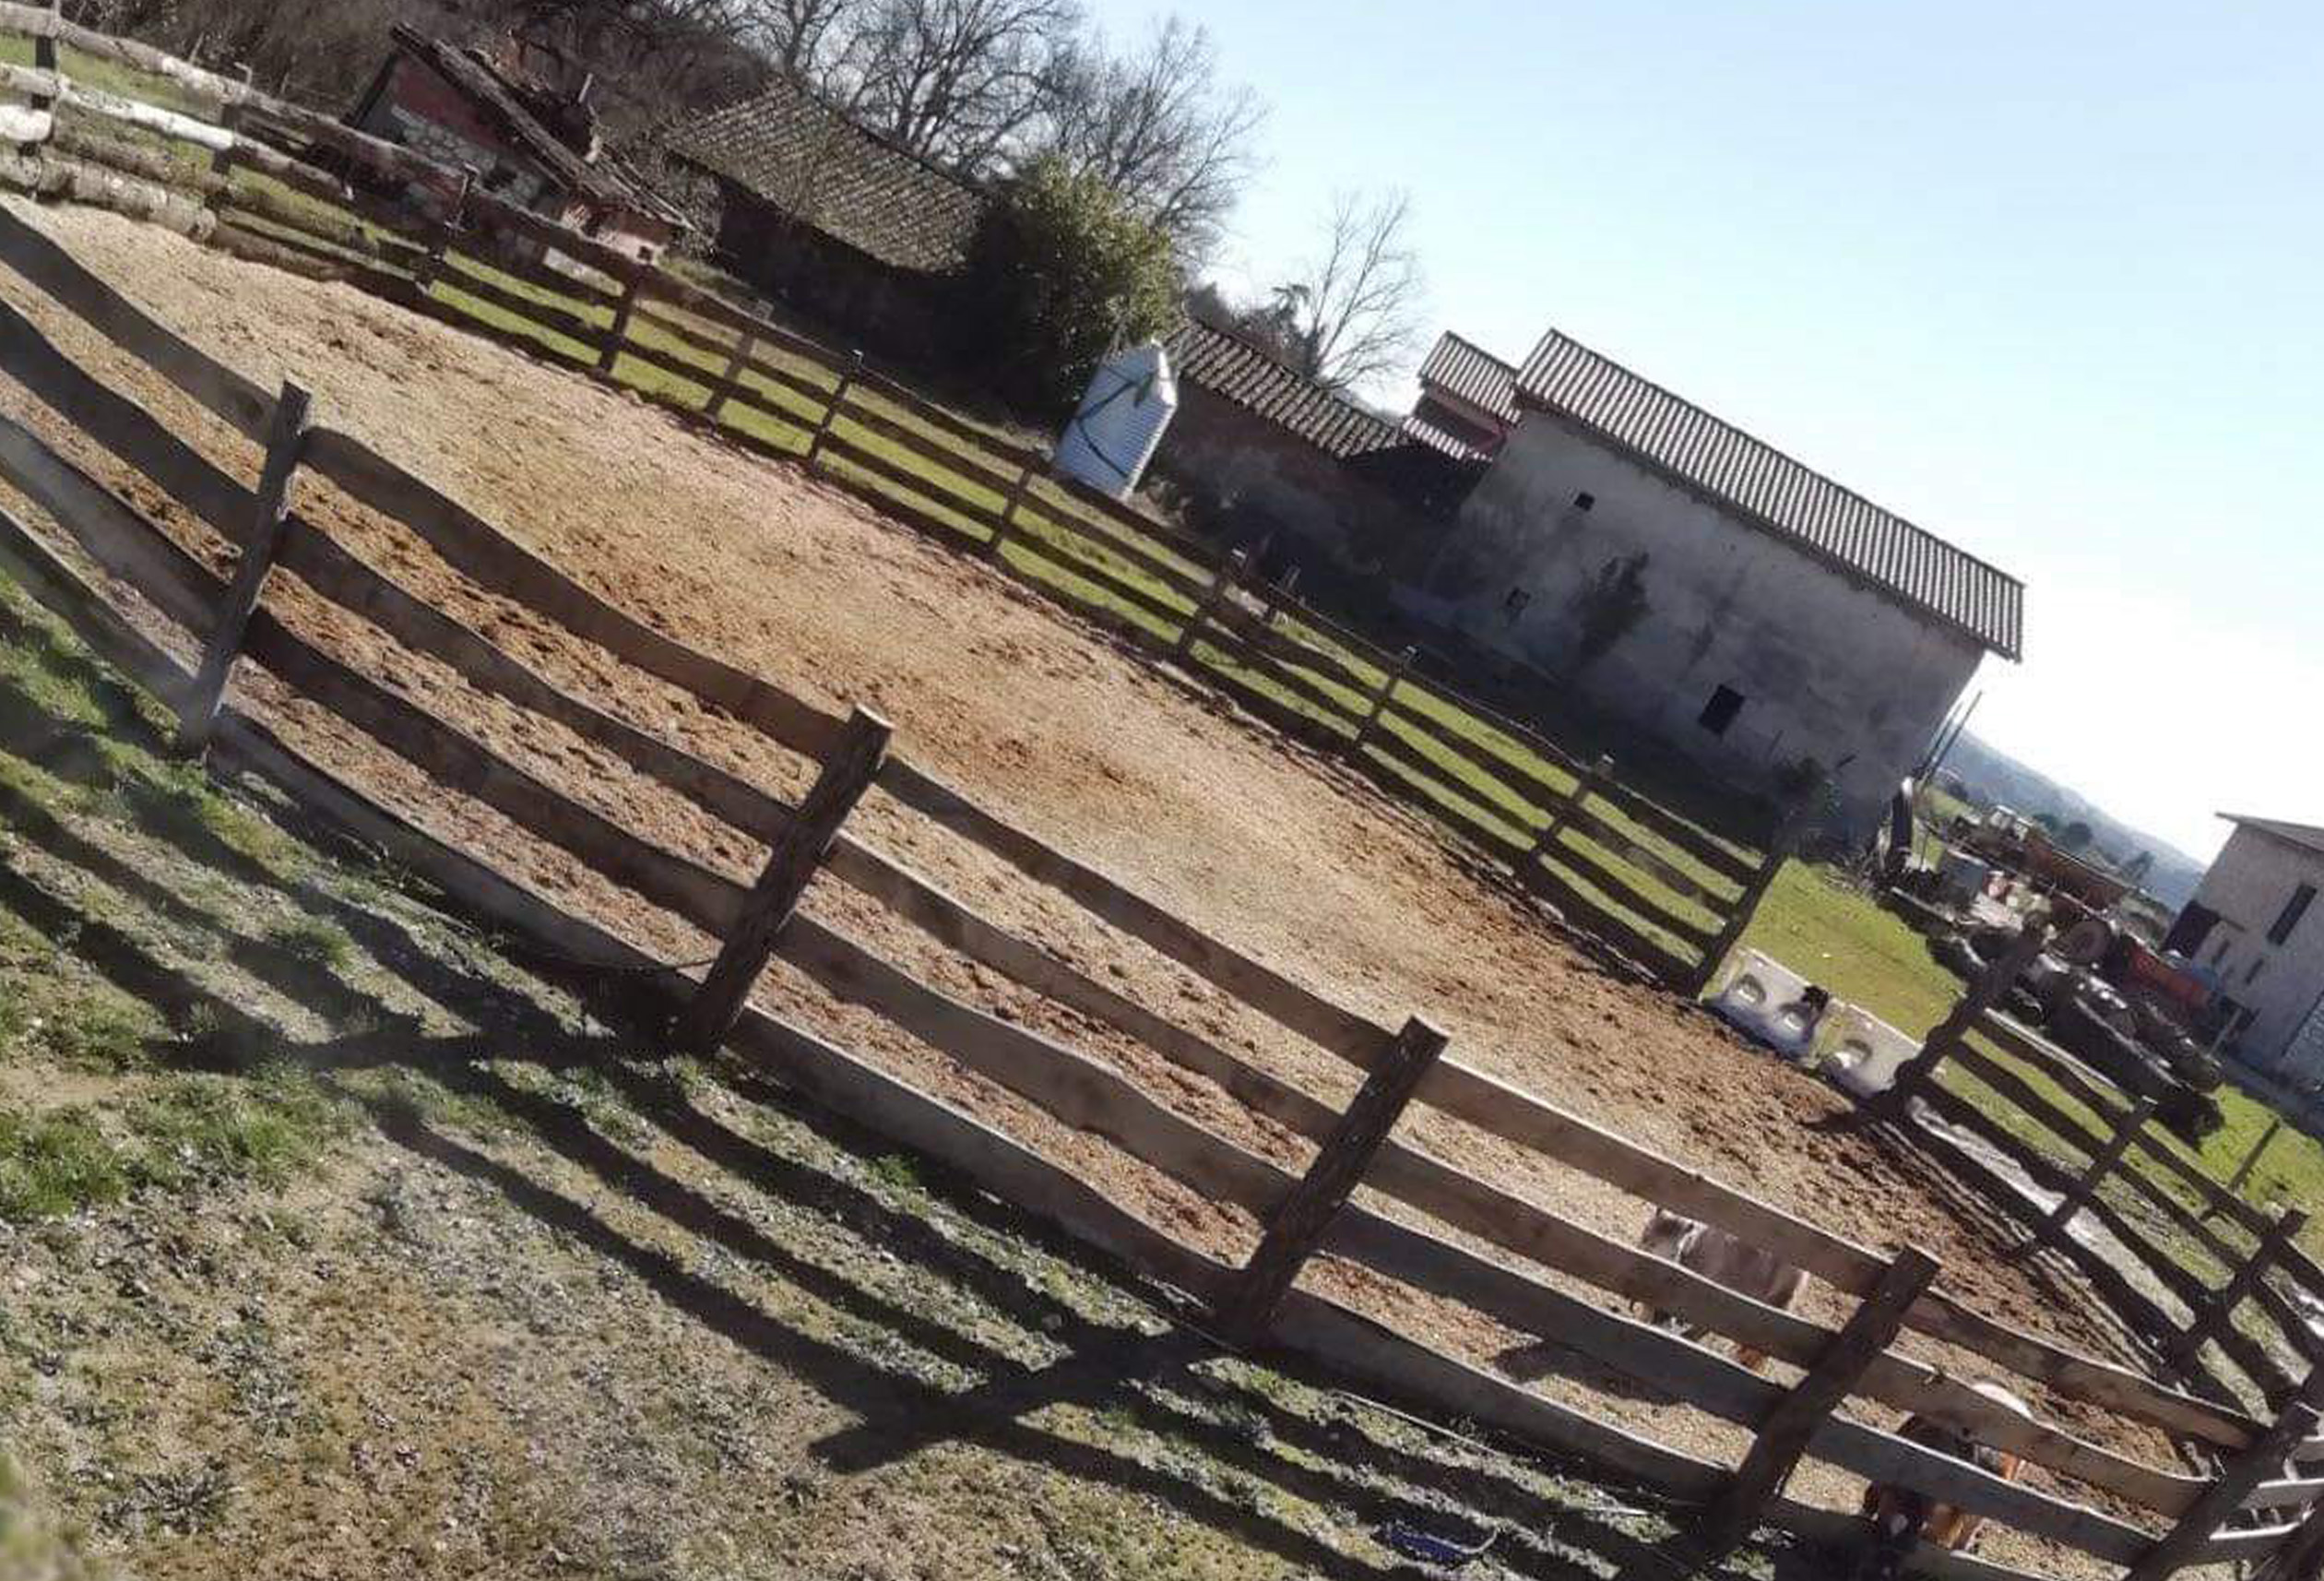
[1695, 583]
[2254, 921]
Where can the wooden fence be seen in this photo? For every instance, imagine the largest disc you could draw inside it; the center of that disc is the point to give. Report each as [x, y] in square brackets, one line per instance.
[1661, 890]
[2234, 1270]
[2249, 1506]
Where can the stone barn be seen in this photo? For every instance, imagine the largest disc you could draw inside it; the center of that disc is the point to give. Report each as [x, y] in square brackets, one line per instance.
[1266, 452]
[2255, 925]
[833, 219]
[1697, 585]
[521, 118]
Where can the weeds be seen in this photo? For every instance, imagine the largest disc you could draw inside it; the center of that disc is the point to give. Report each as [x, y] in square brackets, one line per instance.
[314, 940]
[56, 1162]
[32, 1541]
[196, 1128]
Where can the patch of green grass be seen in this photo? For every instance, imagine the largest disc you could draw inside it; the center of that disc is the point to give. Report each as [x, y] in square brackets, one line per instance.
[193, 1128]
[317, 941]
[57, 1161]
[33, 1543]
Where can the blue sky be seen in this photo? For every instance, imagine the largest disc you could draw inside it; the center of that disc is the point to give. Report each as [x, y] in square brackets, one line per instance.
[2048, 280]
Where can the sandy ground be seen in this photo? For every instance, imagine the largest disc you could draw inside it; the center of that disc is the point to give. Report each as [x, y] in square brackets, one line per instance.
[1034, 714]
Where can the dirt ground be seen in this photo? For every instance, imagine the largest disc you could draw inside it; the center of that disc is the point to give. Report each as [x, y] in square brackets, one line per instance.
[1036, 716]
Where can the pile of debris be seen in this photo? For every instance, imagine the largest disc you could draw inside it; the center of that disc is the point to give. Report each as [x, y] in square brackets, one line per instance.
[2112, 1001]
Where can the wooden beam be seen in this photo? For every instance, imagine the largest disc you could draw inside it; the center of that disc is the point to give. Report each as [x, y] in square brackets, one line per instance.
[1222, 586]
[1985, 993]
[791, 862]
[848, 375]
[2214, 1317]
[2224, 1498]
[1387, 684]
[1786, 840]
[286, 441]
[728, 376]
[1009, 508]
[610, 347]
[1563, 810]
[2109, 1158]
[1837, 1374]
[1298, 1222]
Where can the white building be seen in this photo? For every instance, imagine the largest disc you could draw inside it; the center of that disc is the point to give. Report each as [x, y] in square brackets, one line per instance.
[2254, 920]
[1697, 583]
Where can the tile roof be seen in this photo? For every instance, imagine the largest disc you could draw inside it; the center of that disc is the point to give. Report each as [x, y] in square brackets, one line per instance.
[789, 149]
[1466, 368]
[470, 72]
[1239, 372]
[1773, 492]
[1422, 427]
[2306, 834]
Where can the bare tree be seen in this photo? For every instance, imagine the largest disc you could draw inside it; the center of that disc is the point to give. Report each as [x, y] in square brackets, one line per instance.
[1352, 313]
[809, 40]
[1157, 127]
[958, 81]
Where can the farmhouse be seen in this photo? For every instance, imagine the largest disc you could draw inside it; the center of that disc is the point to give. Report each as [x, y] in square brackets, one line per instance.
[1697, 584]
[520, 117]
[2250, 922]
[831, 218]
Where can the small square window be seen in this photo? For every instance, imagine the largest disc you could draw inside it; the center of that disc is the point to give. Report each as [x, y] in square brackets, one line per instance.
[1583, 502]
[1514, 605]
[1720, 711]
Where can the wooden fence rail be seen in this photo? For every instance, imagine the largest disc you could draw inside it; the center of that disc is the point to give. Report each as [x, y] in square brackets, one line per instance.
[2230, 1292]
[1654, 886]
[1303, 1216]
[486, 554]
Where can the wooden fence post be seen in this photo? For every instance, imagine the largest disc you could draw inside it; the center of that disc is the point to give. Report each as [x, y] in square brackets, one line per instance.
[1782, 1437]
[1785, 841]
[1983, 995]
[2243, 1171]
[440, 237]
[1009, 507]
[44, 54]
[1222, 587]
[221, 166]
[206, 694]
[1299, 1220]
[1585, 785]
[2220, 1312]
[847, 376]
[2224, 1495]
[1390, 680]
[729, 375]
[791, 862]
[2125, 1131]
[615, 337]
[2302, 1556]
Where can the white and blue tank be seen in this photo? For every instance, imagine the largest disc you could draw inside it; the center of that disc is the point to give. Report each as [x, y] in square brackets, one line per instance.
[1114, 432]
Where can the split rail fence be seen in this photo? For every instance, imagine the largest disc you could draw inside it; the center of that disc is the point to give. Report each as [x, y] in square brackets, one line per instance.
[2254, 1499]
[2247, 1289]
[1661, 890]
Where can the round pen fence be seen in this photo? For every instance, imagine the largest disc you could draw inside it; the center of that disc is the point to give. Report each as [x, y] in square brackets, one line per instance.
[2250, 1503]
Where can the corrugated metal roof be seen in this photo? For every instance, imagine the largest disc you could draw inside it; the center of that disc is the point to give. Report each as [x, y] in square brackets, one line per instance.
[1241, 373]
[2306, 834]
[1773, 492]
[1464, 368]
[792, 150]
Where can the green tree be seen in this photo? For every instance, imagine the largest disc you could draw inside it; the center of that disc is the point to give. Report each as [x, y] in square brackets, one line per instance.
[1061, 271]
[2074, 835]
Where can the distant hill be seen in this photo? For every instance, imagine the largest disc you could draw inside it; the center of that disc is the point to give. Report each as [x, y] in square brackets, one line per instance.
[1993, 776]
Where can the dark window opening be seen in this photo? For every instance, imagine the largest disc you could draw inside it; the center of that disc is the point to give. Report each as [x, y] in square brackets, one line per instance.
[1583, 502]
[2251, 972]
[1720, 711]
[2194, 925]
[1514, 605]
[2294, 909]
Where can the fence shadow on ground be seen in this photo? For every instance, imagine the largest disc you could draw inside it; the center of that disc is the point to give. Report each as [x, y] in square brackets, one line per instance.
[1164, 1377]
